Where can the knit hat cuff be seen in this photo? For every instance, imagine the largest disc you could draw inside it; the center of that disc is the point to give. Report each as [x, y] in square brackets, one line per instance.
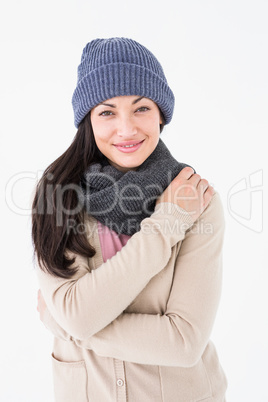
[120, 79]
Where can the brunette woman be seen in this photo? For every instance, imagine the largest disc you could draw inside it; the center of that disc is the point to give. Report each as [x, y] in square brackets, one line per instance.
[128, 242]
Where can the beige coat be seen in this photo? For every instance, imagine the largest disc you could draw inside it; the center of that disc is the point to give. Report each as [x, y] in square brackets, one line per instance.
[137, 327]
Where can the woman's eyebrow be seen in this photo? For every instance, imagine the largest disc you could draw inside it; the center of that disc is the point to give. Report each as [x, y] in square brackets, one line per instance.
[137, 100]
[114, 106]
[106, 104]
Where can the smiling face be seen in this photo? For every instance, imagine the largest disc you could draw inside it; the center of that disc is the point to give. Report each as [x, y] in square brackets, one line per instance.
[126, 130]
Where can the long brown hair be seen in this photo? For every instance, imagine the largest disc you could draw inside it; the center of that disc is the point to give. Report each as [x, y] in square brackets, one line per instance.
[56, 205]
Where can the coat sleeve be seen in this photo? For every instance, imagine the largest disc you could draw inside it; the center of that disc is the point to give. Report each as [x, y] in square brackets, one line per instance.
[87, 302]
[52, 325]
[178, 337]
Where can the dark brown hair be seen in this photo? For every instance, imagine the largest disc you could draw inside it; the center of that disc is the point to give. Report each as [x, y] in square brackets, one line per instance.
[55, 205]
[55, 202]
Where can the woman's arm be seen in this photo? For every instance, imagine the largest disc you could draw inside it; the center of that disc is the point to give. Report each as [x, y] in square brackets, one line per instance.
[49, 321]
[86, 303]
[89, 301]
[179, 337]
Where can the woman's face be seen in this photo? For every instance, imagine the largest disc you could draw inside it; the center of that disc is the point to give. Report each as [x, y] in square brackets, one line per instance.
[126, 130]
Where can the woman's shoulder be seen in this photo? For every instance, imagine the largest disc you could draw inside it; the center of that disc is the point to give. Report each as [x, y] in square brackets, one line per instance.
[212, 218]
[215, 207]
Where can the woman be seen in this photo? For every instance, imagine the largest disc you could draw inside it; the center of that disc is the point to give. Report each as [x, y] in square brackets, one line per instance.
[128, 242]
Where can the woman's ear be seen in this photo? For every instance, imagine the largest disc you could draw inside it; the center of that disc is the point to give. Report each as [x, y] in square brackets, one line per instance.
[161, 121]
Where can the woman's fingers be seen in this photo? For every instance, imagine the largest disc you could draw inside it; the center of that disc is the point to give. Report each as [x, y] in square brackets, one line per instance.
[41, 304]
[189, 191]
[202, 185]
[186, 173]
[208, 195]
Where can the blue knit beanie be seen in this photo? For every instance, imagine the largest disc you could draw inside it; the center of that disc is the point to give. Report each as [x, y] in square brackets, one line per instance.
[119, 66]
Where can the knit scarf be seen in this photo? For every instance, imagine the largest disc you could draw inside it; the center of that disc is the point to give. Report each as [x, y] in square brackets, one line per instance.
[122, 200]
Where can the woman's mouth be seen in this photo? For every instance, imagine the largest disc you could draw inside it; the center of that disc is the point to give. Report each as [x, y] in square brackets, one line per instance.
[128, 146]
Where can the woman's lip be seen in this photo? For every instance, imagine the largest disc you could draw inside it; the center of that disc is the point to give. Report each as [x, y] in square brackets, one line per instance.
[125, 143]
[129, 146]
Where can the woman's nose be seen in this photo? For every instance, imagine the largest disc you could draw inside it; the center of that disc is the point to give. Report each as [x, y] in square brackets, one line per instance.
[126, 127]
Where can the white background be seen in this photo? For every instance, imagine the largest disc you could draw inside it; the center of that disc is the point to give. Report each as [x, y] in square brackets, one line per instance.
[214, 54]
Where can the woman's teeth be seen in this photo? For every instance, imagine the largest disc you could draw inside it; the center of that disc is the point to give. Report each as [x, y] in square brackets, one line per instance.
[129, 146]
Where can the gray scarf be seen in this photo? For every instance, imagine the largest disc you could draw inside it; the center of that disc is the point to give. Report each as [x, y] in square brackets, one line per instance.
[122, 200]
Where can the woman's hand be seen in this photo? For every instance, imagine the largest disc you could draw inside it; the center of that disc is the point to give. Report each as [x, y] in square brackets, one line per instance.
[189, 192]
[41, 305]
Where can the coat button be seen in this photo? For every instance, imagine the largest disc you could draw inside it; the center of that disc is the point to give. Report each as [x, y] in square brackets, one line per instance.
[120, 382]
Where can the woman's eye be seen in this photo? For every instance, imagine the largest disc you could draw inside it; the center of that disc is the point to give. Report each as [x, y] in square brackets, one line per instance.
[106, 113]
[143, 109]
